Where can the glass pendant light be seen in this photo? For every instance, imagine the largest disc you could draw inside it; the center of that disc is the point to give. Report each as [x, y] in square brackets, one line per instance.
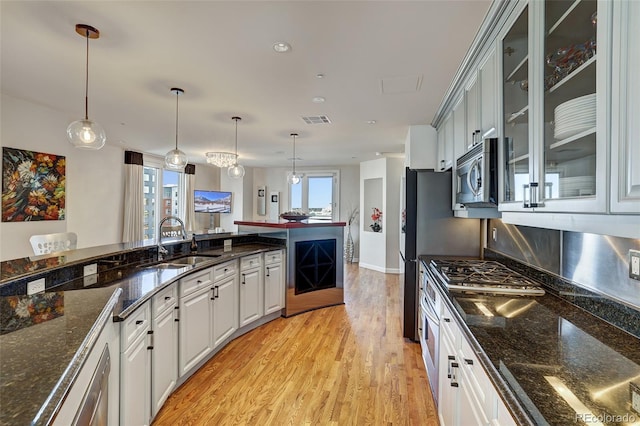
[236, 171]
[85, 133]
[176, 159]
[293, 178]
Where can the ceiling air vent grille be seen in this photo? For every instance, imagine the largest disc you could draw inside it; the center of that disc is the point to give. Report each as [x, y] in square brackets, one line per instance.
[316, 119]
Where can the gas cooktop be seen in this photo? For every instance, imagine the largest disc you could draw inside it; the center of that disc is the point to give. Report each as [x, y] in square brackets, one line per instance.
[484, 276]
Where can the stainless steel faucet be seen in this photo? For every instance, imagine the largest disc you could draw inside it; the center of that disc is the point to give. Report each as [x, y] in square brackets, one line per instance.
[161, 250]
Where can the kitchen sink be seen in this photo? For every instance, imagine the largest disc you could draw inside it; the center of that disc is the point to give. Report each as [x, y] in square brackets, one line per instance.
[191, 260]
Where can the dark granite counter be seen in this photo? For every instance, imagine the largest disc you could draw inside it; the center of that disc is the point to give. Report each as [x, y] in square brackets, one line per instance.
[553, 362]
[45, 337]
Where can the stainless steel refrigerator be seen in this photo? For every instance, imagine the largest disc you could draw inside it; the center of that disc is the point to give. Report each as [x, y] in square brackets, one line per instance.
[429, 228]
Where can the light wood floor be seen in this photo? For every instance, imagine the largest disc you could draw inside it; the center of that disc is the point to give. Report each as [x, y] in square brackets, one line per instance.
[343, 365]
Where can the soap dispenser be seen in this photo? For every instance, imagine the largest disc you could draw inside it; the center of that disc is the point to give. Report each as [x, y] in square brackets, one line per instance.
[194, 244]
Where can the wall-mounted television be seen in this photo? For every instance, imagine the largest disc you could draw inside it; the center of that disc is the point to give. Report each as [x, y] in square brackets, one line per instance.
[212, 201]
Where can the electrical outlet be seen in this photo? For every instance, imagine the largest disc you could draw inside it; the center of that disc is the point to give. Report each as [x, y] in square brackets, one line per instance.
[634, 264]
[494, 234]
[35, 286]
[90, 269]
[90, 279]
[227, 245]
[635, 397]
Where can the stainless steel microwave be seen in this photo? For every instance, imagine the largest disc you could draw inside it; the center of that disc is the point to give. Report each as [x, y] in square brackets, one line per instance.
[477, 175]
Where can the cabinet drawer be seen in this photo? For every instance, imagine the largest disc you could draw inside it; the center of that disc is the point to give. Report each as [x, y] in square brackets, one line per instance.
[250, 262]
[224, 270]
[138, 323]
[164, 299]
[274, 256]
[449, 327]
[195, 282]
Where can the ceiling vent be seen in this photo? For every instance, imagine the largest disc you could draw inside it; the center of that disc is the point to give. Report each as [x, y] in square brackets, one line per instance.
[316, 119]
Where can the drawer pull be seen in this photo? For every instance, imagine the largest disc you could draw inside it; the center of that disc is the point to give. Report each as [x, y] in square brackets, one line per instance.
[199, 281]
[447, 319]
[468, 361]
[244, 281]
[167, 298]
[139, 322]
[268, 271]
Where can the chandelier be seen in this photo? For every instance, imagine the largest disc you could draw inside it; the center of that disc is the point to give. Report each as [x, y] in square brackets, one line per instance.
[221, 159]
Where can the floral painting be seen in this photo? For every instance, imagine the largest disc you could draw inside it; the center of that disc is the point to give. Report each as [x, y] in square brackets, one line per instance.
[33, 186]
[18, 312]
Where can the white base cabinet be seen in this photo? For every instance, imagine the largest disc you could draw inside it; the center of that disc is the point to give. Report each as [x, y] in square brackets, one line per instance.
[225, 309]
[196, 319]
[135, 368]
[466, 395]
[164, 356]
[274, 285]
[251, 289]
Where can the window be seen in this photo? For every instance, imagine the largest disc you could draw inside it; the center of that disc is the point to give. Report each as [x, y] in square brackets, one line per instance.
[317, 193]
[164, 188]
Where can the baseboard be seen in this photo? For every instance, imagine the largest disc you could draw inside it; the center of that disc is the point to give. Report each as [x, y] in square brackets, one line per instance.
[372, 267]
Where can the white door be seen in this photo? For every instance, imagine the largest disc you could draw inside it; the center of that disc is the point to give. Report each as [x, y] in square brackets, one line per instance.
[251, 305]
[273, 288]
[164, 358]
[196, 328]
[225, 310]
[135, 383]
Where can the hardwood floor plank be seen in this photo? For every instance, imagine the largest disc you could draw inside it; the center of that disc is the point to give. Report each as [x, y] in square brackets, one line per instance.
[343, 365]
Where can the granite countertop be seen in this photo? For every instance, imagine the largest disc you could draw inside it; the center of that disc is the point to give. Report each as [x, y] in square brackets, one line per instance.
[285, 224]
[536, 349]
[45, 336]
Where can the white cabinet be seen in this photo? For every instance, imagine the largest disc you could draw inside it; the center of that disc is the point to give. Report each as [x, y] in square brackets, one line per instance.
[274, 281]
[164, 356]
[472, 114]
[135, 368]
[420, 147]
[445, 144]
[251, 289]
[554, 109]
[225, 301]
[196, 319]
[488, 104]
[625, 142]
[460, 139]
[466, 396]
[440, 151]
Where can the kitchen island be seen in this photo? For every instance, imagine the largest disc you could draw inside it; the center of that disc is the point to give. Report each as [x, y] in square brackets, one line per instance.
[315, 260]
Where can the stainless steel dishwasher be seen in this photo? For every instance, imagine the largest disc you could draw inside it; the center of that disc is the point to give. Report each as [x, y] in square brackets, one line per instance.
[94, 409]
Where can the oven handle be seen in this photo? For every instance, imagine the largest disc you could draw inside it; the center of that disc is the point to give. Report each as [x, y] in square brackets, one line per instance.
[431, 314]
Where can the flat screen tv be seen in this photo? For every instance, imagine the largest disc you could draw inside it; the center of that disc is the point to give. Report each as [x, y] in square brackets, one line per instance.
[212, 201]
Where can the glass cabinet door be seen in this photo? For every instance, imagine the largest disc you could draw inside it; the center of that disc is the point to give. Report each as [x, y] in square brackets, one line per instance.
[569, 99]
[515, 66]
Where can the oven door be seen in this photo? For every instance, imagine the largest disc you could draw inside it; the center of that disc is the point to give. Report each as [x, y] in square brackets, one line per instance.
[429, 335]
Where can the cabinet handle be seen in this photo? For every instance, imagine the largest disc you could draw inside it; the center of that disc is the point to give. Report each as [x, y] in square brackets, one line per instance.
[468, 361]
[199, 281]
[167, 298]
[177, 310]
[213, 295]
[225, 269]
[150, 332]
[447, 319]
[454, 380]
[449, 358]
[217, 292]
[139, 322]
[268, 271]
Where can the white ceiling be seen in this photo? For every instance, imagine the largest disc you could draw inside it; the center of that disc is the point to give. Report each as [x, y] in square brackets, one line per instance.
[388, 61]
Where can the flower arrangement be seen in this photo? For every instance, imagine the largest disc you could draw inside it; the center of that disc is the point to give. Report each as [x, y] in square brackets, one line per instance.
[376, 216]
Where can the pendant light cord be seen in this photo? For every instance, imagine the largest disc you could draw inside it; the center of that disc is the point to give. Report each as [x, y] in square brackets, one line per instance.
[294, 154]
[177, 96]
[86, 82]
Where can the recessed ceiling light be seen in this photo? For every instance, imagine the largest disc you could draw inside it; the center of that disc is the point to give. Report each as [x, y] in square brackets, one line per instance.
[371, 121]
[318, 99]
[319, 75]
[281, 47]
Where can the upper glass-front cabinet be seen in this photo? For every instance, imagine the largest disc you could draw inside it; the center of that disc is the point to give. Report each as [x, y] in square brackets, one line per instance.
[515, 68]
[554, 108]
[570, 99]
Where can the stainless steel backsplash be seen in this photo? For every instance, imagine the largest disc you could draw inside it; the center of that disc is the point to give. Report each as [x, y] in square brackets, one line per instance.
[596, 262]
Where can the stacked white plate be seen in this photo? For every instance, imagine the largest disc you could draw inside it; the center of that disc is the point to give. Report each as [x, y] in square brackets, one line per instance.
[575, 116]
[577, 186]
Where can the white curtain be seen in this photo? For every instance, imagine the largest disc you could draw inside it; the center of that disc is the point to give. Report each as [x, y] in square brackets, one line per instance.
[133, 229]
[189, 205]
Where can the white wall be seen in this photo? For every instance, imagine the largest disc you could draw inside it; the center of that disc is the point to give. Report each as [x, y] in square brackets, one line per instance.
[94, 180]
[241, 204]
[380, 250]
[275, 179]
